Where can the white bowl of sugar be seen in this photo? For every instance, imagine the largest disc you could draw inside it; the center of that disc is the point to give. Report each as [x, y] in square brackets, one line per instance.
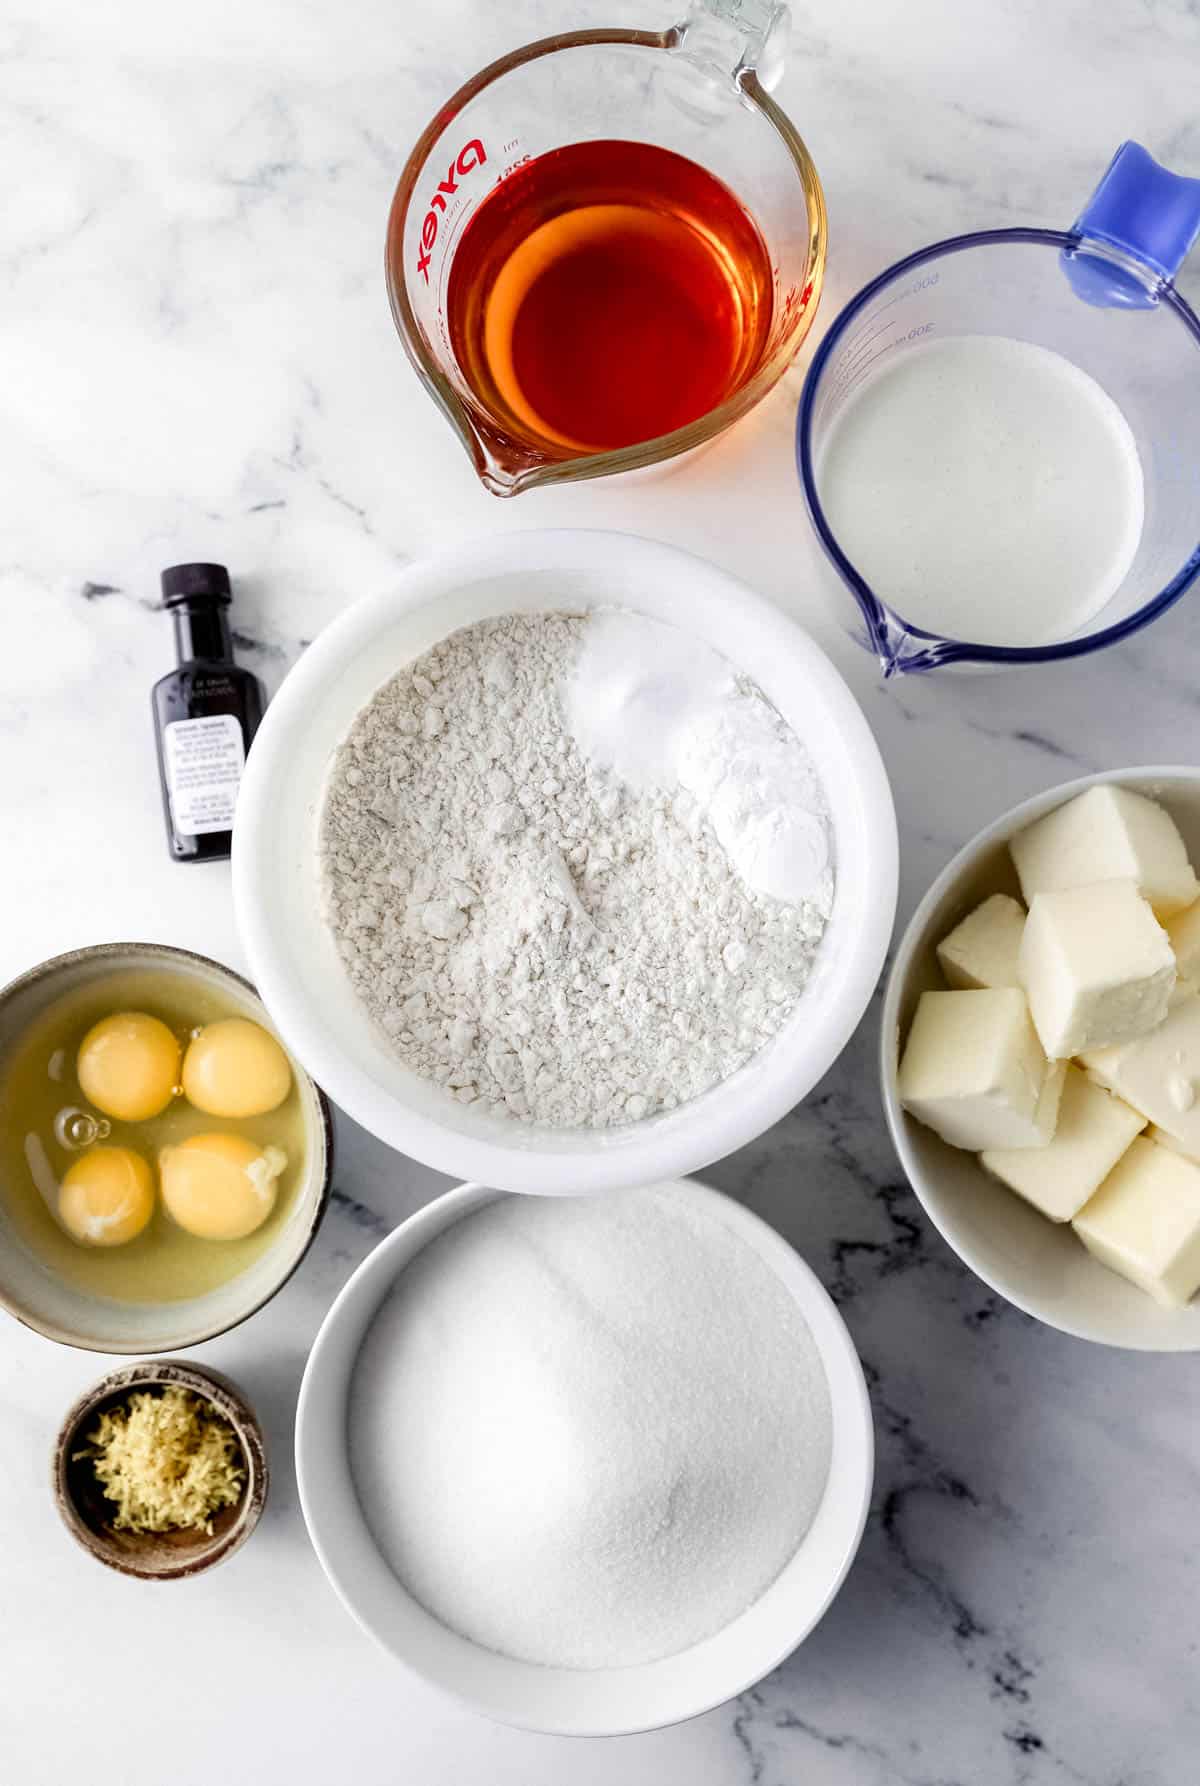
[588, 1466]
[288, 876]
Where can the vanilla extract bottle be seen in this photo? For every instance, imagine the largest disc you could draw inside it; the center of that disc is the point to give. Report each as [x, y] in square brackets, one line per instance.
[205, 714]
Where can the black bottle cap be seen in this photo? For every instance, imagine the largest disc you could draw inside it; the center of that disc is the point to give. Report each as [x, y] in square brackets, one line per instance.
[187, 582]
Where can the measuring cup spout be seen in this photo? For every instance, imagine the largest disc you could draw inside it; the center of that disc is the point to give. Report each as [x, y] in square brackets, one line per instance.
[502, 466]
[900, 651]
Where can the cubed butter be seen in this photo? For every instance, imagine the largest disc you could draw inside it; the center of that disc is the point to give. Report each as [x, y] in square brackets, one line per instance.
[1159, 1074]
[1162, 1139]
[1096, 967]
[974, 1071]
[1144, 1222]
[982, 950]
[1184, 932]
[1094, 1129]
[1107, 834]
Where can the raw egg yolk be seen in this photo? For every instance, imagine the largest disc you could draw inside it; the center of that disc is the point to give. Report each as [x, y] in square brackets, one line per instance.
[220, 1187]
[106, 1197]
[234, 1068]
[129, 1066]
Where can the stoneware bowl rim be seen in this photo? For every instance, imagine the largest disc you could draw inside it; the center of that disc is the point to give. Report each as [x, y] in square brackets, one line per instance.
[211, 1386]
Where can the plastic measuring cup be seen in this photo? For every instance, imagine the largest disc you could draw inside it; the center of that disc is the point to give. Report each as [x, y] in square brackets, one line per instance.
[1101, 295]
[699, 89]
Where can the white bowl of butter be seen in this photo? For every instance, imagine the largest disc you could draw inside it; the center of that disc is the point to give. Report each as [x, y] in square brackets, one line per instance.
[1039, 1265]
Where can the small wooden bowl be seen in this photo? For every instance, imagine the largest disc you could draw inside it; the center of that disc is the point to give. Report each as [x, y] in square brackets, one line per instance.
[87, 1512]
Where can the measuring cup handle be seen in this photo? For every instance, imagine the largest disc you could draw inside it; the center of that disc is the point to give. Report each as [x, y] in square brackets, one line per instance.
[1135, 232]
[730, 38]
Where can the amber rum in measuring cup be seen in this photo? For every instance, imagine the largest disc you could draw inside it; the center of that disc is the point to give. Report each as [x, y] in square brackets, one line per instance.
[608, 246]
[606, 293]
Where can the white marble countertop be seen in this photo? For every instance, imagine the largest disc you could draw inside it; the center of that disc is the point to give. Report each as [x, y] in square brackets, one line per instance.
[198, 362]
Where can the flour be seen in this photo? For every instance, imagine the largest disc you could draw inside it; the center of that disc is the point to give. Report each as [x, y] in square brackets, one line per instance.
[589, 1432]
[552, 936]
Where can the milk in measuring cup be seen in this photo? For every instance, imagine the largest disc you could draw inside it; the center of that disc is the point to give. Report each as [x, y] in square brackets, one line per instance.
[987, 488]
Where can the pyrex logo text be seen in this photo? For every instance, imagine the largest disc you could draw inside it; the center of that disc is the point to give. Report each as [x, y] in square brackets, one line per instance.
[471, 155]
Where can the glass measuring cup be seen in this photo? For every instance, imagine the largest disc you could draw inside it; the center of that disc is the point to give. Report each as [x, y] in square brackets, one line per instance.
[1101, 295]
[699, 89]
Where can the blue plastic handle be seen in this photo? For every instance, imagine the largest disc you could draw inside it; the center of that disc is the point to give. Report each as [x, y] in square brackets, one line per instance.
[1135, 232]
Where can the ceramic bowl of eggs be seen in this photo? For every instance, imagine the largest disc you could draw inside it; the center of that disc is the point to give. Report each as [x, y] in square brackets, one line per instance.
[164, 1163]
[1041, 1057]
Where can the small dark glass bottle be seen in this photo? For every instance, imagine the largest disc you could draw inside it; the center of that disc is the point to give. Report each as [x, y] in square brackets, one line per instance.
[205, 714]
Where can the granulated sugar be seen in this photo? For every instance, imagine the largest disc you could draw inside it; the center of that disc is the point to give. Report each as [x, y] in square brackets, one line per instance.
[589, 1432]
[538, 930]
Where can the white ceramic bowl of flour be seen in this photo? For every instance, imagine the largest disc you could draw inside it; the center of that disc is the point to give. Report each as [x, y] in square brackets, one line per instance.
[577, 1701]
[277, 889]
